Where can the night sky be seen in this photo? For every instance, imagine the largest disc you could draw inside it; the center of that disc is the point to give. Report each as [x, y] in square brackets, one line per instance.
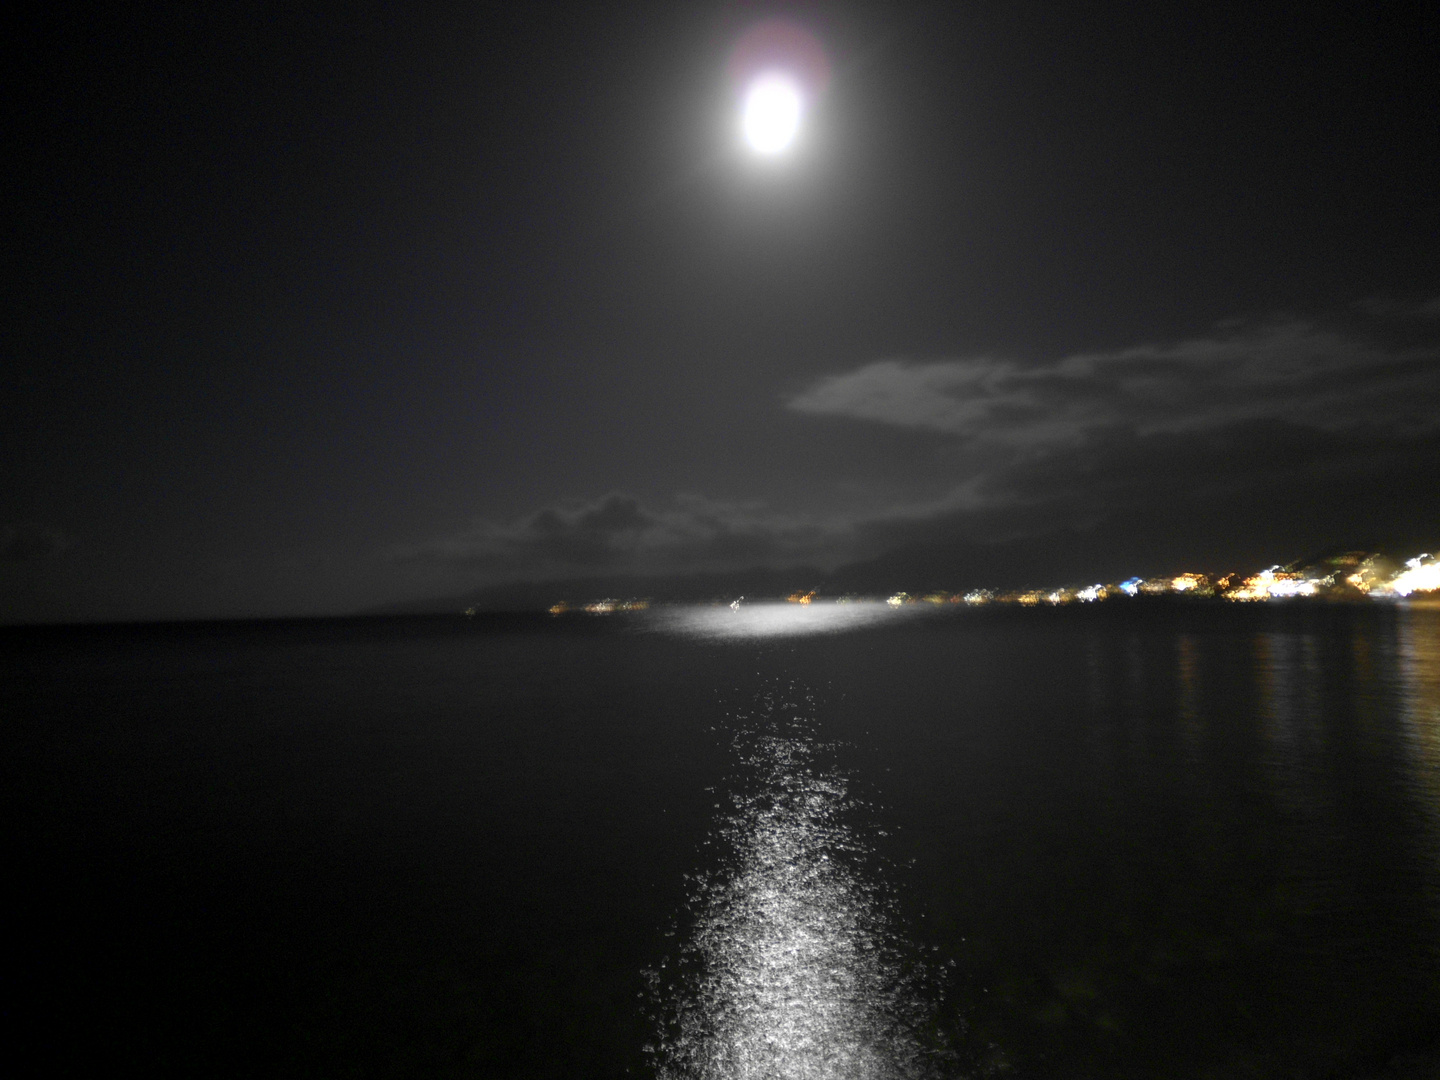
[314, 309]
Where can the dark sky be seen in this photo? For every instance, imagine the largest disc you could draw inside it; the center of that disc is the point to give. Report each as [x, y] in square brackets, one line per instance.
[312, 308]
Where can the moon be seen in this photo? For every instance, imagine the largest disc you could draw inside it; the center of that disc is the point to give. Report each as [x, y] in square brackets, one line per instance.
[771, 113]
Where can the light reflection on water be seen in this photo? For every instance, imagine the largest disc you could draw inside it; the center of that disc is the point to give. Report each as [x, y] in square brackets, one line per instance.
[777, 619]
[1293, 721]
[1419, 662]
[1192, 726]
[793, 966]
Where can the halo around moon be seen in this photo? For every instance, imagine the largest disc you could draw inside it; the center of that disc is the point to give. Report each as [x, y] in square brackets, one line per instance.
[778, 69]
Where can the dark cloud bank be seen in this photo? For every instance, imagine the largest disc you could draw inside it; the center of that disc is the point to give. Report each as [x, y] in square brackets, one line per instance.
[1255, 443]
[617, 533]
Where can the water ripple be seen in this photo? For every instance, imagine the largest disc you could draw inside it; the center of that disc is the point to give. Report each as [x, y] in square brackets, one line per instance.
[793, 966]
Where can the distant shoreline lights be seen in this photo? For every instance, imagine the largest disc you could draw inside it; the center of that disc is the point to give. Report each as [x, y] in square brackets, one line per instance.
[1354, 575]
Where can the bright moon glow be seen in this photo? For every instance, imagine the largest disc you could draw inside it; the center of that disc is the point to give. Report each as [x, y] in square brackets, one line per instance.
[771, 117]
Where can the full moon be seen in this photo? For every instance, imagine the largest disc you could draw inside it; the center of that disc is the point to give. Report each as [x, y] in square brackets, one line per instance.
[770, 117]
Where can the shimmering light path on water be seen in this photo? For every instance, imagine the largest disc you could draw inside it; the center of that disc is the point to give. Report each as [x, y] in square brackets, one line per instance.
[794, 967]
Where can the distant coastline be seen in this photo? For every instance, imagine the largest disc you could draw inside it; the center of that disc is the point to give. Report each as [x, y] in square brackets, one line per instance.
[1349, 576]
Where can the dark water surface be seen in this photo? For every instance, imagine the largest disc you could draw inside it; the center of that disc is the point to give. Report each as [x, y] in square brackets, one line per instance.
[1128, 841]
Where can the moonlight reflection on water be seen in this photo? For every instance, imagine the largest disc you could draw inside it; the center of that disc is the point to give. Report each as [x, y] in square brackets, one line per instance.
[793, 967]
[758, 621]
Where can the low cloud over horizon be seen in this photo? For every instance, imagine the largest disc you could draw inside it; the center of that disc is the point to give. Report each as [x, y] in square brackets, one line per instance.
[1263, 438]
[618, 533]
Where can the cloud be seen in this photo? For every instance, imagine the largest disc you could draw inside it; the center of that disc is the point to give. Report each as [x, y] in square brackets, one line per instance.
[1276, 433]
[1258, 441]
[618, 533]
[1253, 492]
[1244, 495]
[1289, 371]
[26, 541]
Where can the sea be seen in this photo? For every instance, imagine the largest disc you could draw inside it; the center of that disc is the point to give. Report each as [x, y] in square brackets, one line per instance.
[1119, 840]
